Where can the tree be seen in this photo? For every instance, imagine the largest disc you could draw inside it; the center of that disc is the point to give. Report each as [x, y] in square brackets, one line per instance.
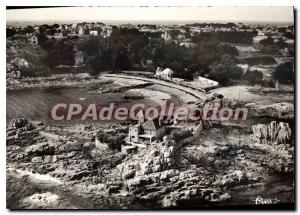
[268, 46]
[29, 29]
[174, 34]
[224, 70]
[93, 46]
[267, 41]
[175, 57]
[44, 42]
[111, 54]
[55, 25]
[234, 37]
[10, 32]
[52, 59]
[281, 44]
[124, 46]
[254, 77]
[227, 49]
[117, 44]
[284, 73]
[43, 28]
[60, 52]
[185, 62]
[98, 56]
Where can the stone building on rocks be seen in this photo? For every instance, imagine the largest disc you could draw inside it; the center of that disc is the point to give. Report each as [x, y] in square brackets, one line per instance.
[146, 132]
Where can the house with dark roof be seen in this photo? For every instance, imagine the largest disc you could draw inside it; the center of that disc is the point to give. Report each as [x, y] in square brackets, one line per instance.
[146, 132]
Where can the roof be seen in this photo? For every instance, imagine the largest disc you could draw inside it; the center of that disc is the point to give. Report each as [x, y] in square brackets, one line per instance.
[152, 124]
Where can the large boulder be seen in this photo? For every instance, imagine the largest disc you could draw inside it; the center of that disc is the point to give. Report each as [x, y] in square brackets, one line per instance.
[272, 133]
[237, 178]
[40, 149]
[274, 140]
[20, 123]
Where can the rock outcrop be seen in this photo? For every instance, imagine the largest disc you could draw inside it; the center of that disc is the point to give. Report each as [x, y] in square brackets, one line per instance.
[272, 133]
[275, 139]
[158, 175]
[237, 178]
[20, 123]
[155, 158]
[152, 174]
[283, 110]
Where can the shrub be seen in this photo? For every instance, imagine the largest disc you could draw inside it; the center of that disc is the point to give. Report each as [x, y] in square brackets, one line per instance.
[224, 70]
[114, 141]
[178, 134]
[284, 73]
[254, 77]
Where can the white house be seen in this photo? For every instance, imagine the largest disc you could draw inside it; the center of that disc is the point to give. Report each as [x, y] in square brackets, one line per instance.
[258, 38]
[166, 73]
[81, 31]
[94, 32]
[57, 36]
[166, 36]
[206, 83]
[34, 40]
[106, 31]
[188, 44]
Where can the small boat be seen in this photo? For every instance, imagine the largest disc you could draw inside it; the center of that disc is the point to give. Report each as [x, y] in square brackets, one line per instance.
[82, 98]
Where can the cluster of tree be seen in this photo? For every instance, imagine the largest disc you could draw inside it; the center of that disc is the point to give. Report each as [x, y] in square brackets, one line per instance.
[254, 77]
[216, 25]
[126, 48]
[99, 58]
[285, 73]
[118, 52]
[225, 70]
[239, 37]
[59, 52]
[147, 25]
[202, 59]
[43, 29]
[269, 46]
[10, 32]
[287, 31]
[49, 29]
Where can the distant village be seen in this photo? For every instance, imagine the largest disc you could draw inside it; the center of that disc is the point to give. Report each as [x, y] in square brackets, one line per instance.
[179, 34]
[261, 37]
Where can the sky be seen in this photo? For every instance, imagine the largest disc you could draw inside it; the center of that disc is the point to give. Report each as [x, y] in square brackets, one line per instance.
[270, 14]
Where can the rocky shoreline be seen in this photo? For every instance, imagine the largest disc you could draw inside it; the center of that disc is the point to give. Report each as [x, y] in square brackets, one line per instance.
[165, 174]
[55, 81]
